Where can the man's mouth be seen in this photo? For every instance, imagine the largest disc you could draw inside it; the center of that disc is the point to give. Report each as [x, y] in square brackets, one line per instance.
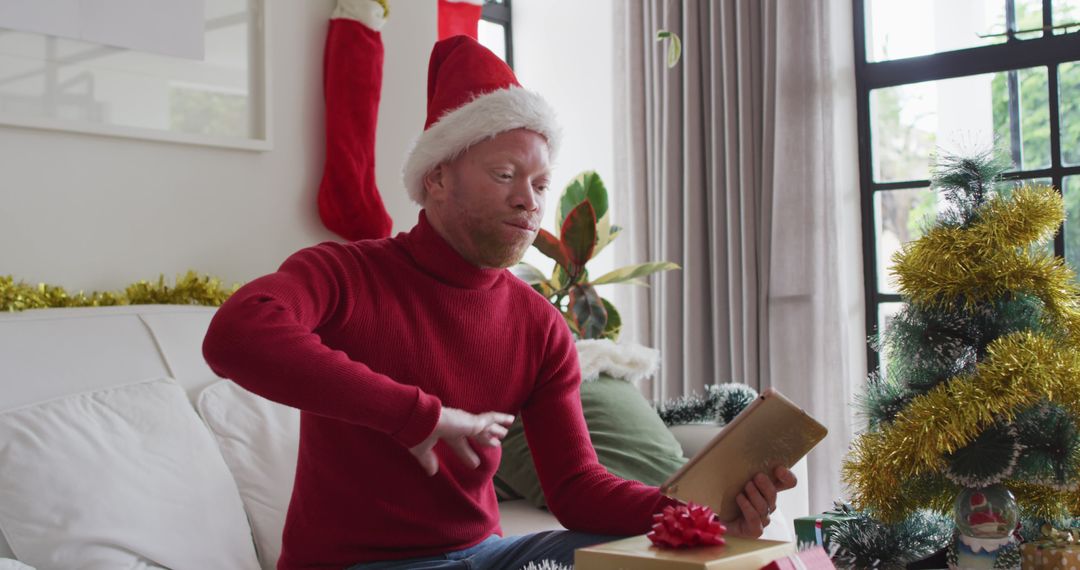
[523, 225]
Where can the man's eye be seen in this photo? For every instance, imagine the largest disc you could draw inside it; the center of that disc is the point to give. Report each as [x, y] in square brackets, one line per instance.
[505, 176]
[541, 188]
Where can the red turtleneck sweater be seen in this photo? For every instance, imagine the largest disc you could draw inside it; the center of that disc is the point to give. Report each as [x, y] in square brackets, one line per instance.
[368, 339]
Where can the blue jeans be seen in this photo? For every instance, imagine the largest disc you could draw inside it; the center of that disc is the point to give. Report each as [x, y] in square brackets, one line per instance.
[497, 553]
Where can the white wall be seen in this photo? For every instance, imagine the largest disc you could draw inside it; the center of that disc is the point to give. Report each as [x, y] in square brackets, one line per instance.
[92, 212]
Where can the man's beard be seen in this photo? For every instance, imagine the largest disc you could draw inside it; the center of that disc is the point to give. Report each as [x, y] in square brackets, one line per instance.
[495, 251]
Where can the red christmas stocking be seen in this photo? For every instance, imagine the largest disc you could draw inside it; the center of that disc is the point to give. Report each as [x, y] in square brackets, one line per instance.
[349, 201]
[459, 18]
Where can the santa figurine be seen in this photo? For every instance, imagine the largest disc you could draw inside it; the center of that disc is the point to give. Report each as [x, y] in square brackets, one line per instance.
[985, 521]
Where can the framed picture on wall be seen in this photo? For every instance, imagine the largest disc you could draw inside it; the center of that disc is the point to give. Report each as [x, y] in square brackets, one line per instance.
[191, 71]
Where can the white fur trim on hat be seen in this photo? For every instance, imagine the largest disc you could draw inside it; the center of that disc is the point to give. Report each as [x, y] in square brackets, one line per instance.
[631, 362]
[368, 12]
[479, 119]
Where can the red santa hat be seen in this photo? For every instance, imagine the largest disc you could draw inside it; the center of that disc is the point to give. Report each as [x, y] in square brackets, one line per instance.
[472, 96]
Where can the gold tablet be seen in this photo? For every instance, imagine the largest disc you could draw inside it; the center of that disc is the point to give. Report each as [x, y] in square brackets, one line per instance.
[771, 431]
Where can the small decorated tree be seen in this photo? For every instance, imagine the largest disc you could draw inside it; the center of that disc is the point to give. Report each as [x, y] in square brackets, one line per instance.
[981, 393]
[585, 230]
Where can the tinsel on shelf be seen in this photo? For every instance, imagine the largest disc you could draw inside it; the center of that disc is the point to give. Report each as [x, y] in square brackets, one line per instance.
[720, 404]
[982, 383]
[190, 289]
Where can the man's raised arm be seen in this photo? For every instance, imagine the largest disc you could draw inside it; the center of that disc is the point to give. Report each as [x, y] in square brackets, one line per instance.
[264, 338]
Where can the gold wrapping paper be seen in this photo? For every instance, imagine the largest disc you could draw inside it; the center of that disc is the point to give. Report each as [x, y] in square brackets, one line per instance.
[638, 553]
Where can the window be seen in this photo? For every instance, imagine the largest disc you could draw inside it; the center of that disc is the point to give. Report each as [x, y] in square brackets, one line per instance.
[954, 76]
[494, 30]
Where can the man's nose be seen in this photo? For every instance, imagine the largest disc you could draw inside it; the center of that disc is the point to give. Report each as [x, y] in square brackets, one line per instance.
[524, 197]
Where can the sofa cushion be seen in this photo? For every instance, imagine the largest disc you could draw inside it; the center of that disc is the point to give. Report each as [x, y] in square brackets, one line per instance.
[259, 440]
[630, 440]
[50, 353]
[124, 477]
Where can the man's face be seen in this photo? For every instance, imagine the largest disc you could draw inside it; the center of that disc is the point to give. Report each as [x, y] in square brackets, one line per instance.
[488, 202]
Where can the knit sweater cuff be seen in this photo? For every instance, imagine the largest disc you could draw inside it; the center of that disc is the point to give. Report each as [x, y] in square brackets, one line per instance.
[421, 423]
[368, 12]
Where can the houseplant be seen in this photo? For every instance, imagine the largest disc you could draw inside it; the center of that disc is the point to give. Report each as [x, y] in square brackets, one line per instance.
[585, 229]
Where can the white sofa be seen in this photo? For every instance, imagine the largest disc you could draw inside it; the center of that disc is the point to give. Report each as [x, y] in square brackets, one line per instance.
[54, 366]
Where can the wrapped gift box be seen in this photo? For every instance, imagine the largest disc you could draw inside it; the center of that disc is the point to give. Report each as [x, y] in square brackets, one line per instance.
[810, 559]
[812, 529]
[1042, 556]
[638, 553]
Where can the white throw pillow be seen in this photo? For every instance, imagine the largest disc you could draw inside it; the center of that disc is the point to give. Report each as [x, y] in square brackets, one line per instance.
[259, 440]
[124, 477]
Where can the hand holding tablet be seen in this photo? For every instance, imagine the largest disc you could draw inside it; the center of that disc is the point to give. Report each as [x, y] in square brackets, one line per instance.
[772, 431]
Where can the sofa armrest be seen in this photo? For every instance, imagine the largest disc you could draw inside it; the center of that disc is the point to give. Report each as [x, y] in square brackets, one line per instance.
[790, 504]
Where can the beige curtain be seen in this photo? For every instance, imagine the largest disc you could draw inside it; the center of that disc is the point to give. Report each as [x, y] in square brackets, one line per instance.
[740, 164]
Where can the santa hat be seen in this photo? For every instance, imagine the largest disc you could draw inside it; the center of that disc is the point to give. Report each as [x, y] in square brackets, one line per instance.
[472, 96]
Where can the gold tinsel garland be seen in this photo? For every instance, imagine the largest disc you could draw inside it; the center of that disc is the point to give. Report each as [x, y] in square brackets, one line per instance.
[190, 289]
[899, 468]
[1021, 369]
[991, 258]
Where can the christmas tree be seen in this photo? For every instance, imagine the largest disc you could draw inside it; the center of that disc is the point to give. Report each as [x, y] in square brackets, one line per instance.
[982, 380]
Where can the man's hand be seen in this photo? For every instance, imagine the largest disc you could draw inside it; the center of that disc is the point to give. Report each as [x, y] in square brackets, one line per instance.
[456, 428]
[758, 501]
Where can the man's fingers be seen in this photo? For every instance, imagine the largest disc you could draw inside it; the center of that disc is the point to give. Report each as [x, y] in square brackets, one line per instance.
[429, 462]
[498, 418]
[465, 452]
[785, 479]
[752, 521]
[496, 431]
[768, 490]
[425, 455]
[757, 500]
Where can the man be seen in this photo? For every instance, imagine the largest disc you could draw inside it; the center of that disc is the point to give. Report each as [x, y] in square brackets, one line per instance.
[409, 356]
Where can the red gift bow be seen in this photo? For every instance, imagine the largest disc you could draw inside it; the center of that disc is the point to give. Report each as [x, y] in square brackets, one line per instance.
[686, 526]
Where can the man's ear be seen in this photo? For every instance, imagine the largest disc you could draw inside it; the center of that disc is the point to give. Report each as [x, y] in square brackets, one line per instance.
[435, 181]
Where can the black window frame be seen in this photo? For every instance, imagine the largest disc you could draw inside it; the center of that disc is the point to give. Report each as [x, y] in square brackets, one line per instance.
[499, 13]
[1048, 52]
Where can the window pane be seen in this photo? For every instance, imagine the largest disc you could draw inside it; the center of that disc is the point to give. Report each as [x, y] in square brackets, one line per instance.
[886, 311]
[1071, 188]
[493, 37]
[910, 123]
[901, 216]
[1069, 111]
[1029, 16]
[912, 28]
[1066, 12]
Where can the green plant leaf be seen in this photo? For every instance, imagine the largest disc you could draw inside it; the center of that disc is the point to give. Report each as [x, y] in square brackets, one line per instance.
[605, 234]
[528, 273]
[589, 312]
[579, 237]
[569, 318]
[631, 272]
[674, 48]
[614, 321]
[585, 186]
[545, 289]
[559, 278]
[550, 246]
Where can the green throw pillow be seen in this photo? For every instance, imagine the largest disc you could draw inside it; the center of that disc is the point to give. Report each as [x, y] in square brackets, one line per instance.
[629, 438]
